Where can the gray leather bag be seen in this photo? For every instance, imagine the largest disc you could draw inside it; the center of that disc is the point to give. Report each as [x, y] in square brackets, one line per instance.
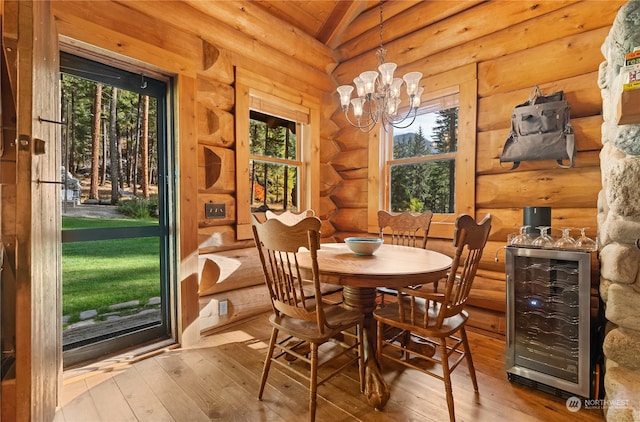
[541, 130]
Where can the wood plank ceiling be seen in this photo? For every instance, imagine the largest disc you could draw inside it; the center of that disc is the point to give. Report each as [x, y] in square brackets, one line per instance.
[324, 20]
[351, 27]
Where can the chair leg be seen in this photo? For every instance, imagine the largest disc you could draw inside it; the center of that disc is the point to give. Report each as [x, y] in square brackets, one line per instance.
[467, 351]
[267, 361]
[361, 357]
[313, 382]
[405, 342]
[381, 304]
[379, 341]
[446, 373]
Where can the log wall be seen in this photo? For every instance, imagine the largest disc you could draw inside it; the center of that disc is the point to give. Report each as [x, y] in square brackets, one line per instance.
[514, 45]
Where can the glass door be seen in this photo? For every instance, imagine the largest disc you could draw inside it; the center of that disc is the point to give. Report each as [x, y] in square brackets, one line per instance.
[117, 252]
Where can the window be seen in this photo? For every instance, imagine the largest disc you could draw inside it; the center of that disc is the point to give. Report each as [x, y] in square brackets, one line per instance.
[275, 163]
[431, 164]
[277, 145]
[421, 160]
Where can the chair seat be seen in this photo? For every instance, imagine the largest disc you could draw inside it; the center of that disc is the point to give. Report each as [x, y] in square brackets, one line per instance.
[325, 288]
[336, 316]
[389, 315]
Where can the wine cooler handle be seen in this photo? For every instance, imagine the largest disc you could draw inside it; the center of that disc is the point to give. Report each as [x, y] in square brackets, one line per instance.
[510, 333]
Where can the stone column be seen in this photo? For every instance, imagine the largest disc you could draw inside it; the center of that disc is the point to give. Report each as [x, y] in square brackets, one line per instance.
[619, 227]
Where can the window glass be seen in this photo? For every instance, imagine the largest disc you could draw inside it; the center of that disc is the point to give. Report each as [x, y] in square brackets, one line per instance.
[275, 164]
[421, 171]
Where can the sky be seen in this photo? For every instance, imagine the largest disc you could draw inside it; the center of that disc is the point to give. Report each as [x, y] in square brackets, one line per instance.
[427, 121]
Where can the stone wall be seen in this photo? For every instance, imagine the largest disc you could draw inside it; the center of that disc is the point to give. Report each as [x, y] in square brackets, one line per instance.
[619, 227]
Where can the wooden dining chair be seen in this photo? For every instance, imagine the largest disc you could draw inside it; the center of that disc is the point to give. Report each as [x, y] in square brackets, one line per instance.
[406, 229]
[289, 218]
[437, 318]
[300, 321]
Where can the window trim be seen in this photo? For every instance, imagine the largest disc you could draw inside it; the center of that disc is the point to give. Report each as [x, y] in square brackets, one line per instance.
[462, 80]
[254, 91]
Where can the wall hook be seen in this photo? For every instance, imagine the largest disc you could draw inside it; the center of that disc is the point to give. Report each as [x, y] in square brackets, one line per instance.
[62, 122]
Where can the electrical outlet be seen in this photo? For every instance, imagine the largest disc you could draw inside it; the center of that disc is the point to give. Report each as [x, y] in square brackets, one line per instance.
[212, 210]
[223, 307]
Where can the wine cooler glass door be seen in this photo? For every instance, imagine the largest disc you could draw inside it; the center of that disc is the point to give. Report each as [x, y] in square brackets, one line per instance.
[548, 328]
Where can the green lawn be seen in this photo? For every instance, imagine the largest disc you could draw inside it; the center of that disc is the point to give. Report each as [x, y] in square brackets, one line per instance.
[101, 273]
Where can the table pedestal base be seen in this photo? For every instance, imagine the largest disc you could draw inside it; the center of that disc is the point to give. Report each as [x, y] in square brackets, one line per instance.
[363, 299]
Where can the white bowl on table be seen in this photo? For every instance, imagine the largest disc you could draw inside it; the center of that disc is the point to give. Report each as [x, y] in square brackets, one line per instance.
[363, 245]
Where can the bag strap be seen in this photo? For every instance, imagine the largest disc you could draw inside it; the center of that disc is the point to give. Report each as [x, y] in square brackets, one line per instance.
[512, 138]
[571, 146]
[533, 96]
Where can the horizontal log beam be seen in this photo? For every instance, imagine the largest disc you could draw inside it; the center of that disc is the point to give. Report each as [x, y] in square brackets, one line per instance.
[563, 58]
[94, 24]
[257, 24]
[508, 220]
[555, 188]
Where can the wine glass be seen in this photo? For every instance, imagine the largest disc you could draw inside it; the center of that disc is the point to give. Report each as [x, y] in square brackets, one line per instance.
[566, 241]
[544, 240]
[522, 239]
[584, 242]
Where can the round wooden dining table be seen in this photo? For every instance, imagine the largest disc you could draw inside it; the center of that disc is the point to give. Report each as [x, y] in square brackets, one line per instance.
[390, 266]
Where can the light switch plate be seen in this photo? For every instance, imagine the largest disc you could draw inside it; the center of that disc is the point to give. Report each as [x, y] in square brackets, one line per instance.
[212, 210]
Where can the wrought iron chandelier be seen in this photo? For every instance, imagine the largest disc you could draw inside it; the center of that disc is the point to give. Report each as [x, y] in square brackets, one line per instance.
[378, 95]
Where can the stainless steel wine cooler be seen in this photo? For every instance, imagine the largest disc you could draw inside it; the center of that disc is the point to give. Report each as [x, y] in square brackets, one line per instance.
[549, 319]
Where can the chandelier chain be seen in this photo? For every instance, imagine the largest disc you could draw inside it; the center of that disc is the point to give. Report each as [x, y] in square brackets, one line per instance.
[381, 50]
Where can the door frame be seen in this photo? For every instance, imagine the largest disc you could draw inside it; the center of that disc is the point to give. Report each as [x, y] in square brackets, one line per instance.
[130, 78]
[31, 207]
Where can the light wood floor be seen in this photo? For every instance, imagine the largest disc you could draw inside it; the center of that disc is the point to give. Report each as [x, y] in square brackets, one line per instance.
[219, 380]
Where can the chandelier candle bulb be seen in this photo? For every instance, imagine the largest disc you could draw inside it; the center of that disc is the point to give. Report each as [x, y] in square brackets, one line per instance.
[386, 73]
[394, 90]
[392, 106]
[417, 99]
[369, 79]
[345, 95]
[412, 79]
[358, 105]
[359, 83]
